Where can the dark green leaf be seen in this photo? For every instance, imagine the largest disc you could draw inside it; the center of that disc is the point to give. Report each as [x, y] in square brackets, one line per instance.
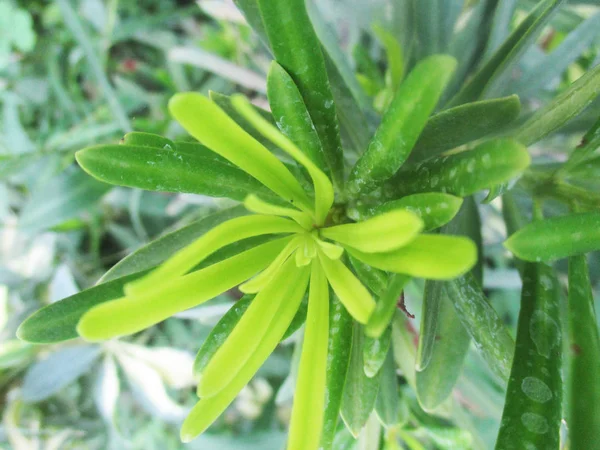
[376, 280]
[463, 124]
[360, 391]
[508, 54]
[386, 306]
[188, 167]
[557, 237]
[375, 351]
[562, 108]
[387, 406]
[338, 359]
[464, 173]
[137, 138]
[532, 411]
[584, 390]
[297, 48]
[402, 123]
[291, 116]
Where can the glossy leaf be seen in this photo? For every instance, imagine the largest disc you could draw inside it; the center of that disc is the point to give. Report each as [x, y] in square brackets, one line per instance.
[355, 297]
[532, 411]
[157, 251]
[291, 115]
[557, 237]
[324, 194]
[482, 322]
[434, 208]
[307, 413]
[229, 359]
[128, 315]
[140, 139]
[375, 350]
[428, 256]
[386, 231]
[218, 237]
[338, 358]
[443, 343]
[584, 391]
[387, 405]
[402, 123]
[562, 108]
[462, 124]
[508, 53]
[386, 306]
[360, 391]
[185, 168]
[463, 173]
[376, 280]
[297, 49]
[58, 321]
[208, 409]
[208, 123]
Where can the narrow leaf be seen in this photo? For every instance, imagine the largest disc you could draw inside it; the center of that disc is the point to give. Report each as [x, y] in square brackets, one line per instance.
[557, 237]
[434, 208]
[355, 297]
[291, 115]
[428, 256]
[562, 108]
[464, 173]
[375, 350]
[402, 123]
[208, 409]
[386, 306]
[360, 391]
[184, 168]
[584, 390]
[532, 411]
[462, 124]
[208, 123]
[129, 315]
[297, 49]
[309, 399]
[338, 358]
[384, 232]
[229, 359]
[387, 405]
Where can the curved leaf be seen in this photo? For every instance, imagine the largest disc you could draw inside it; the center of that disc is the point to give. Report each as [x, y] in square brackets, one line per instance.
[402, 123]
[557, 237]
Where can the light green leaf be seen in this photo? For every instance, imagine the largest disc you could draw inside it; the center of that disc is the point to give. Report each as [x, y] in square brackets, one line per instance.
[386, 306]
[584, 390]
[227, 233]
[360, 391]
[582, 155]
[140, 139]
[291, 116]
[402, 123]
[384, 232]
[338, 358]
[557, 237]
[462, 124]
[434, 208]
[351, 292]
[532, 411]
[297, 49]
[309, 399]
[208, 409]
[208, 123]
[428, 256]
[562, 108]
[394, 55]
[229, 359]
[129, 315]
[464, 173]
[190, 168]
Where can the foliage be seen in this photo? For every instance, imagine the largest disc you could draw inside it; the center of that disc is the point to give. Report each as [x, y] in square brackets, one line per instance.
[403, 143]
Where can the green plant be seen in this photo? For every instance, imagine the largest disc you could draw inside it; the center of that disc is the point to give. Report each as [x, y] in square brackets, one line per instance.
[449, 131]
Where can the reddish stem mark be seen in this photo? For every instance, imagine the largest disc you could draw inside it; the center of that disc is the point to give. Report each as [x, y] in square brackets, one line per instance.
[402, 306]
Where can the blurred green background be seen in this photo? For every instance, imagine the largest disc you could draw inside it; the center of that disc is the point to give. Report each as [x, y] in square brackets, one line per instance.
[74, 73]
